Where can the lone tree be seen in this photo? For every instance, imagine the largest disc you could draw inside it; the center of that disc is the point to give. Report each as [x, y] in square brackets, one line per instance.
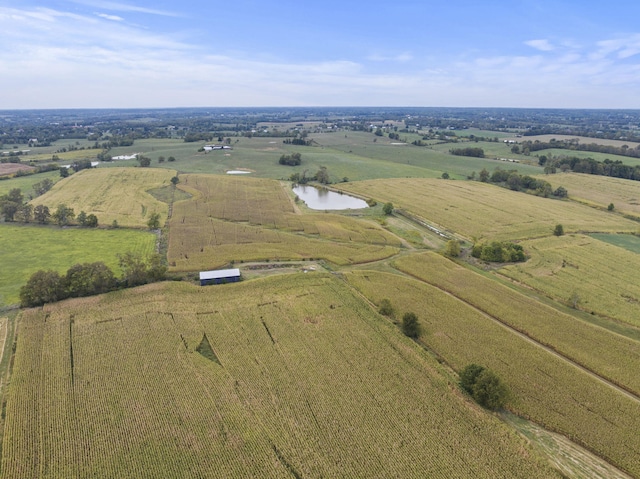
[452, 249]
[154, 221]
[484, 386]
[385, 308]
[410, 325]
[558, 230]
[387, 209]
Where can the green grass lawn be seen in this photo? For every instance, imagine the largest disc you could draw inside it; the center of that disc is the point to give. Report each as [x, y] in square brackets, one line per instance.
[27, 249]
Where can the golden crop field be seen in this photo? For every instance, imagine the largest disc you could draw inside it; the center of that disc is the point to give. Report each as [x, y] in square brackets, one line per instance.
[610, 355]
[246, 219]
[546, 388]
[483, 211]
[297, 378]
[86, 154]
[600, 191]
[601, 277]
[118, 194]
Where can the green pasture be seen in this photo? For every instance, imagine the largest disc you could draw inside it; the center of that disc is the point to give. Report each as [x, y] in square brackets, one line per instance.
[25, 183]
[27, 249]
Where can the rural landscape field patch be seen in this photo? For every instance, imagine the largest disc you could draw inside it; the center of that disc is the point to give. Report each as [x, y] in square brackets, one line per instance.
[245, 219]
[584, 272]
[546, 388]
[27, 249]
[487, 212]
[119, 194]
[301, 378]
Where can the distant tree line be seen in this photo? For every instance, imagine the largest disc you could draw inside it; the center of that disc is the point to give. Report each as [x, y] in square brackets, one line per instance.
[469, 151]
[615, 168]
[87, 279]
[297, 141]
[575, 145]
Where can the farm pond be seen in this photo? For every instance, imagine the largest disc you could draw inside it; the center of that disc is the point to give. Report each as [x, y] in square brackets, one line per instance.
[324, 199]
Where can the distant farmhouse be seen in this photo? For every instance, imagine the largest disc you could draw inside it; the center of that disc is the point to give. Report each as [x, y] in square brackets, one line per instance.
[217, 147]
[220, 276]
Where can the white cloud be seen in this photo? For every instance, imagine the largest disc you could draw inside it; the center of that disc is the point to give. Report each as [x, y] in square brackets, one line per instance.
[125, 7]
[114, 18]
[542, 45]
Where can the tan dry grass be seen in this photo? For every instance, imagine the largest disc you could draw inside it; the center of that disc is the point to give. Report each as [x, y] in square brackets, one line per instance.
[600, 191]
[118, 194]
[603, 277]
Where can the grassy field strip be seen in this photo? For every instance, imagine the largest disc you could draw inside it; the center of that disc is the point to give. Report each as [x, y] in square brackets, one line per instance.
[118, 194]
[466, 207]
[546, 388]
[307, 381]
[25, 183]
[574, 461]
[610, 356]
[600, 276]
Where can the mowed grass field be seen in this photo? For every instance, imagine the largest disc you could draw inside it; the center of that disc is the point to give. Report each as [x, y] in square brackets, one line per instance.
[119, 194]
[600, 191]
[302, 379]
[27, 249]
[487, 212]
[545, 388]
[231, 219]
[602, 277]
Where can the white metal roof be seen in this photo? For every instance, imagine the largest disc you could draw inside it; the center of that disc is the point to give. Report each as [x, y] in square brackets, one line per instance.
[220, 273]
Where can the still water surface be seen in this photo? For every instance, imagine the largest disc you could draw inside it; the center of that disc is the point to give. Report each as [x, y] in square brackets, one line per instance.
[323, 199]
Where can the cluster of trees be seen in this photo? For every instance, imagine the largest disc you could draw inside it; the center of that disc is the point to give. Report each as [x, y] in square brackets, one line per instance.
[484, 386]
[293, 159]
[47, 286]
[498, 252]
[469, 151]
[321, 176]
[515, 181]
[14, 208]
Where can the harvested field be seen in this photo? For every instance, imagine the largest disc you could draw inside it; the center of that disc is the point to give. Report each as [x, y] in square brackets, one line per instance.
[11, 168]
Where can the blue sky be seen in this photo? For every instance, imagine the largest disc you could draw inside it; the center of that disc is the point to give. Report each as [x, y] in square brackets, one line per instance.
[120, 53]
